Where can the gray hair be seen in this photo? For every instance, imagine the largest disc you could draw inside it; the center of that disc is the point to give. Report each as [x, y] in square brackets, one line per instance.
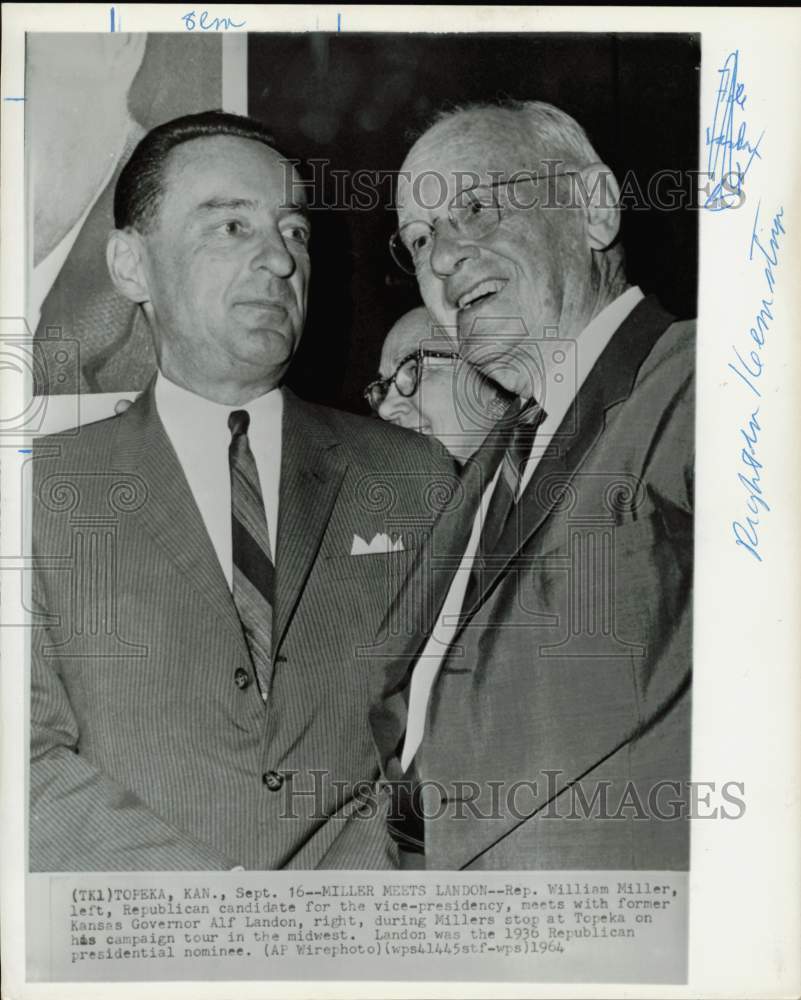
[541, 127]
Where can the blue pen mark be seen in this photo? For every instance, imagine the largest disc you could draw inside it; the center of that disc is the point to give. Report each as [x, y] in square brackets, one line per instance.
[339, 22]
[764, 248]
[13, 98]
[727, 170]
[111, 14]
[25, 451]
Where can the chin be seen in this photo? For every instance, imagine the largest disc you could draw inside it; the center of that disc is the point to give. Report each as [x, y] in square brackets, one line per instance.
[268, 343]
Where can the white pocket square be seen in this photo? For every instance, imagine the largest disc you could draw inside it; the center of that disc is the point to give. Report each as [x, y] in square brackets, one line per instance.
[380, 543]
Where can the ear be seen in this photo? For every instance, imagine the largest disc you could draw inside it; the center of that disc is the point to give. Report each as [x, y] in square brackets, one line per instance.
[602, 205]
[124, 252]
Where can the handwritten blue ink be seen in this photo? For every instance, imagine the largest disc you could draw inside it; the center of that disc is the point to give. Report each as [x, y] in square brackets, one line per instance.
[13, 98]
[111, 14]
[729, 171]
[746, 534]
[749, 370]
[25, 451]
[771, 255]
[339, 22]
[208, 23]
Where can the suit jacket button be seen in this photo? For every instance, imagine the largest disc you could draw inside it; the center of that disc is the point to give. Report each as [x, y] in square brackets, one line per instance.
[273, 780]
[241, 678]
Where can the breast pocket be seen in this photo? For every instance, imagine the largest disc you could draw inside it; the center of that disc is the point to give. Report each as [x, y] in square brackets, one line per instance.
[389, 568]
[362, 588]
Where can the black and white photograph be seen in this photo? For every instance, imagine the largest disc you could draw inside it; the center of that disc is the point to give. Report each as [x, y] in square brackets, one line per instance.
[363, 550]
[209, 698]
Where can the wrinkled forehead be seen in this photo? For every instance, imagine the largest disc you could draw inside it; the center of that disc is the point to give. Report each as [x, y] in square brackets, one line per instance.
[454, 156]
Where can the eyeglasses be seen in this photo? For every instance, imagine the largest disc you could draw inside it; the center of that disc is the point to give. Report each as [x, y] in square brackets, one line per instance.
[406, 376]
[473, 214]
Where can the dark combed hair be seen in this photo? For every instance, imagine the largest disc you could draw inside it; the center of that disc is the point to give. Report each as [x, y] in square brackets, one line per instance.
[141, 182]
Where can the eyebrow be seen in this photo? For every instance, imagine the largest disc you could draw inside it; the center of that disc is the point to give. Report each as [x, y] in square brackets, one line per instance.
[295, 208]
[232, 204]
[213, 204]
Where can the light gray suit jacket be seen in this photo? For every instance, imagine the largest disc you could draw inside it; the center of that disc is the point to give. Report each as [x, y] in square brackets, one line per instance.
[145, 752]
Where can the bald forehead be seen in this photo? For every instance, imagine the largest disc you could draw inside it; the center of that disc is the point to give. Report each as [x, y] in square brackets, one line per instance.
[405, 336]
[483, 129]
[468, 148]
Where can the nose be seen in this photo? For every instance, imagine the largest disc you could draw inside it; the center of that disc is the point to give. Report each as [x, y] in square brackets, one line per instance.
[395, 409]
[449, 251]
[271, 254]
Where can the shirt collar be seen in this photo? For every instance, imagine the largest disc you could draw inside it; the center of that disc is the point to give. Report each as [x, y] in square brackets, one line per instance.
[182, 411]
[598, 332]
[567, 366]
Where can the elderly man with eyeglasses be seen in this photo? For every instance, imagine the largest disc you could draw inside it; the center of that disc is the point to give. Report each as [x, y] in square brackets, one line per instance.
[425, 386]
[538, 715]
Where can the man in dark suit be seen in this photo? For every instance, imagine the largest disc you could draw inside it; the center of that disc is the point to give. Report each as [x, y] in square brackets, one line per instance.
[539, 717]
[210, 562]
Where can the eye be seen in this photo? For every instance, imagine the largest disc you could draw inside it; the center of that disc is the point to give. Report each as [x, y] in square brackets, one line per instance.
[232, 227]
[468, 205]
[417, 238]
[474, 207]
[421, 242]
[408, 371]
[298, 233]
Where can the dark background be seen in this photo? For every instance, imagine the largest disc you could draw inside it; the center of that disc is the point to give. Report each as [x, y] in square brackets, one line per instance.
[358, 100]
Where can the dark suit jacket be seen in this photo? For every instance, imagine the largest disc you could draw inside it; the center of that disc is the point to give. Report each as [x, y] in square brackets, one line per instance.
[146, 754]
[572, 671]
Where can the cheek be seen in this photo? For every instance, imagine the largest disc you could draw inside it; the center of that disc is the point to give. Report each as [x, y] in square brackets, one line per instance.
[300, 281]
[182, 282]
[432, 292]
[438, 405]
[539, 256]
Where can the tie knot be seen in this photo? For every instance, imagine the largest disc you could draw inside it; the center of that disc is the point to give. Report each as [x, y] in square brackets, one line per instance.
[238, 422]
[529, 417]
[531, 414]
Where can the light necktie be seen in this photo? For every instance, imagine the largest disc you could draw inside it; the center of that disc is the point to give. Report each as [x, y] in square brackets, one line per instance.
[254, 572]
[505, 495]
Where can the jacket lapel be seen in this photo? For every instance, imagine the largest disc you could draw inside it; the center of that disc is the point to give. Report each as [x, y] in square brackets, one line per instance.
[608, 384]
[311, 477]
[170, 515]
[424, 592]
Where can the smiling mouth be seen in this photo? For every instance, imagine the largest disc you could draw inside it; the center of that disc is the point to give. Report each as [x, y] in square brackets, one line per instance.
[479, 293]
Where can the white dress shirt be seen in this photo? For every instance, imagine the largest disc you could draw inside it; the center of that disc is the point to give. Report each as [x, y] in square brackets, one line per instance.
[564, 377]
[198, 431]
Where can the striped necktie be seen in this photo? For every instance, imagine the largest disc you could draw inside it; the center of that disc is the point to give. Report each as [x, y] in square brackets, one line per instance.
[254, 573]
[505, 495]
